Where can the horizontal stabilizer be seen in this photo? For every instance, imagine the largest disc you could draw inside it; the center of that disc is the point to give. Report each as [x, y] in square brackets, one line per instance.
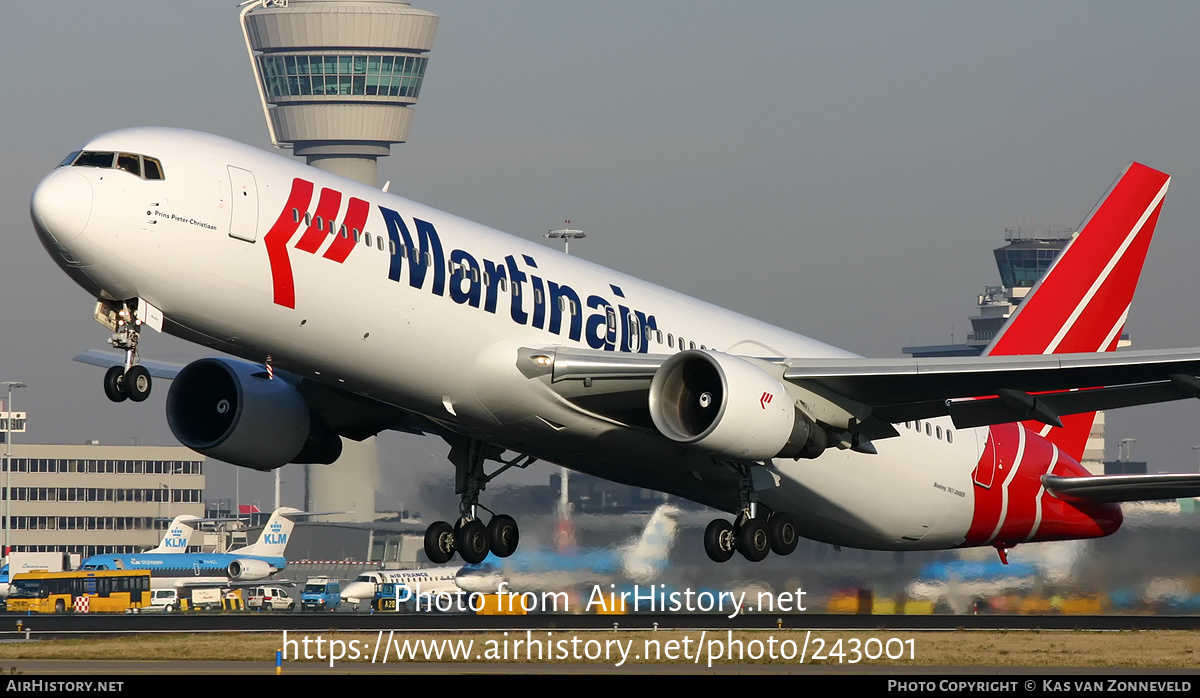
[1123, 488]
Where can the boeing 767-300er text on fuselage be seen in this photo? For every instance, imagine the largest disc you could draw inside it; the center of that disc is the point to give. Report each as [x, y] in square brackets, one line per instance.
[358, 311]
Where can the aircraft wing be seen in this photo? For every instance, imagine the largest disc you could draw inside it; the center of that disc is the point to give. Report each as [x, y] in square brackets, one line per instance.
[106, 359]
[972, 391]
[982, 390]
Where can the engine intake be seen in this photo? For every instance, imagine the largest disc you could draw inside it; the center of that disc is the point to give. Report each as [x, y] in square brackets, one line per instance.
[231, 411]
[731, 407]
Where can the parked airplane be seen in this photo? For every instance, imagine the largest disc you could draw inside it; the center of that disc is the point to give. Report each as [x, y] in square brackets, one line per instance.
[358, 311]
[182, 569]
[436, 581]
[640, 561]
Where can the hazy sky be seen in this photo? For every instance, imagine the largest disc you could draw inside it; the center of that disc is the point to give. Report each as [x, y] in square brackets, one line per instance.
[840, 169]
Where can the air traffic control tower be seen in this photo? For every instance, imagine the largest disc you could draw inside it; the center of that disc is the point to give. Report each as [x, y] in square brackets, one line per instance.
[338, 78]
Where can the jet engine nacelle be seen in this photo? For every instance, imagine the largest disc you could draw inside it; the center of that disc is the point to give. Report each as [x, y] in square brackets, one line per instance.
[250, 570]
[731, 407]
[233, 411]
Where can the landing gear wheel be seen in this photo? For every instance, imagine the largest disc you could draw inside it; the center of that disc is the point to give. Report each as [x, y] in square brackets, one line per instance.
[137, 383]
[114, 381]
[504, 534]
[752, 540]
[472, 542]
[718, 540]
[439, 542]
[783, 534]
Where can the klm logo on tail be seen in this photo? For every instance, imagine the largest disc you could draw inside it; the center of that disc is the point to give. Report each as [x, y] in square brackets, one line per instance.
[274, 535]
[177, 539]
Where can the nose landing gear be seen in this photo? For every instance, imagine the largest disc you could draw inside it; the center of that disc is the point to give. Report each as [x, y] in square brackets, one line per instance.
[131, 380]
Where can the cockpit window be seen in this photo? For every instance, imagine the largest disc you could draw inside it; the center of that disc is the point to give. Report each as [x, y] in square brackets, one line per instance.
[153, 168]
[130, 163]
[94, 159]
[136, 165]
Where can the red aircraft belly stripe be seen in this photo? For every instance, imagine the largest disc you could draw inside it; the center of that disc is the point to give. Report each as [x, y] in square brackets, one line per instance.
[989, 501]
[356, 220]
[276, 241]
[327, 209]
[1023, 490]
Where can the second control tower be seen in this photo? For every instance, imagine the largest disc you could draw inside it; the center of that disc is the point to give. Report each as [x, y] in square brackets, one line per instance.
[338, 78]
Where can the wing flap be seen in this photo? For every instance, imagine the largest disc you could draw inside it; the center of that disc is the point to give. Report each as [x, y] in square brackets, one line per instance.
[982, 412]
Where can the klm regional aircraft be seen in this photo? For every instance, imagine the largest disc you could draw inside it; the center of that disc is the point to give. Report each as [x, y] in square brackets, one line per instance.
[355, 311]
[183, 569]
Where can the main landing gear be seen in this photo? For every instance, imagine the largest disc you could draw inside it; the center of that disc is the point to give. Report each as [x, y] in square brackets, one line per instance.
[752, 533]
[131, 380]
[469, 537]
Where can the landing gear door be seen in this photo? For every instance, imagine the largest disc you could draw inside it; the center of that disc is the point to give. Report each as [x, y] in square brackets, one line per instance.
[243, 216]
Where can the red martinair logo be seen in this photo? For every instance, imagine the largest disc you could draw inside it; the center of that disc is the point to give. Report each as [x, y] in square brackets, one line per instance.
[319, 227]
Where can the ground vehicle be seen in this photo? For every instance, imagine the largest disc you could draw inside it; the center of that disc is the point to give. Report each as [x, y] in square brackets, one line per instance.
[270, 599]
[172, 600]
[391, 597]
[92, 591]
[321, 594]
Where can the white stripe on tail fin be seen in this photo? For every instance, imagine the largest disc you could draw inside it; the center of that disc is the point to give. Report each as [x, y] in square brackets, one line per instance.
[1081, 303]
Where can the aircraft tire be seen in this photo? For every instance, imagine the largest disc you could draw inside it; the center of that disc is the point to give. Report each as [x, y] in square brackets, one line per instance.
[472, 542]
[137, 383]
[782, 530]
[719, 540]
[753, 541]
[113, 384]
[504, 535]
[439, 542]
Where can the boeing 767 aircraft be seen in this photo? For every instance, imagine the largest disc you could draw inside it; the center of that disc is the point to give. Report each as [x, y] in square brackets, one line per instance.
[356, 311]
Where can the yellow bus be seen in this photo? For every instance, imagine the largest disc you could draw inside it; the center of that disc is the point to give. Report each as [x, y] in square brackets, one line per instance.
[96, 591]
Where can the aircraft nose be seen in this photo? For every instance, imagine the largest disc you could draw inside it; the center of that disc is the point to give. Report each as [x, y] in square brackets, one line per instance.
[61, 205]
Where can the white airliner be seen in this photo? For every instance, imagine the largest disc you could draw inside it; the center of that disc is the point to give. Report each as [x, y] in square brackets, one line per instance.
[357, 311]
[434, 581]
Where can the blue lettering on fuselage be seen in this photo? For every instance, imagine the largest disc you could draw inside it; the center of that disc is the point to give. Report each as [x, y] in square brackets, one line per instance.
[477, 282]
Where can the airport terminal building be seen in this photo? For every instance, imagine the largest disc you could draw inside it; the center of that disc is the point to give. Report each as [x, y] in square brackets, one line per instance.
[90, 499]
